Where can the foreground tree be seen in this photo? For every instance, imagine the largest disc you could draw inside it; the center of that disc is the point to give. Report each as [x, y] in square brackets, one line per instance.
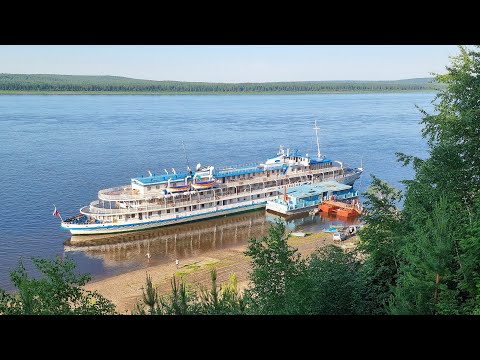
[278, 283]
[380, 247]
[441, 262]
[428, 283]
[332, 281]
[57, 292]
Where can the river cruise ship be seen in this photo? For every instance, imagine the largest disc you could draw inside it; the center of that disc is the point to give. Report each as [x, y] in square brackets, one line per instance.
[173, 198]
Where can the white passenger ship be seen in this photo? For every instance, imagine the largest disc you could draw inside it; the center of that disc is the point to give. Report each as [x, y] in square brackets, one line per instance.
[160, 200]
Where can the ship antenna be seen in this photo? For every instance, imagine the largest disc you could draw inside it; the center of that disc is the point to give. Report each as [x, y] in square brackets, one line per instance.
[318, 144]
[185, 153]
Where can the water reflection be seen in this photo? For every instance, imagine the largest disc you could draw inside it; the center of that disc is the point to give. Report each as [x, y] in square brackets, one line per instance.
[172, 242]
[129, 250]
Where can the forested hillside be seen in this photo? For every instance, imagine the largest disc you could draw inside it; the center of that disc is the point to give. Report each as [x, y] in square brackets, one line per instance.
[81, 83]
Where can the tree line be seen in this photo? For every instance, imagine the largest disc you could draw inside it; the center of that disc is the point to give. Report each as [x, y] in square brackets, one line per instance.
[79, 83]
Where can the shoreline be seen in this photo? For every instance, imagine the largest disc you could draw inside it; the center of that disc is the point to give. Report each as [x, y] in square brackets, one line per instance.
[15, 92]
[124, 289]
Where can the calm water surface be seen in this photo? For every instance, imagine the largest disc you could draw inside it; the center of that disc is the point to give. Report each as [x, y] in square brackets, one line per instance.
[62, 149]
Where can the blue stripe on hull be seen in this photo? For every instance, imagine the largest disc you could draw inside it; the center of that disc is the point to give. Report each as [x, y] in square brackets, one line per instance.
[192, 217]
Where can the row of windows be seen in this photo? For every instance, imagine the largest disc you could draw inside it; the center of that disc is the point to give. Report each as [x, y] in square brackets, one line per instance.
[185, 208]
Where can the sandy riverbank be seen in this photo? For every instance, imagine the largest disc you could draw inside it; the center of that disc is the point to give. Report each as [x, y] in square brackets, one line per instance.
[125, 289]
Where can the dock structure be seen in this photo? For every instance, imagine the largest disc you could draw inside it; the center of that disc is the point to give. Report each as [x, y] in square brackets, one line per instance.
[307, 197]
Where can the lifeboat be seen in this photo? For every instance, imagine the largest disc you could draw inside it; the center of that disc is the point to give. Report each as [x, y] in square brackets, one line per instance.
[178, 189]
[200, 185]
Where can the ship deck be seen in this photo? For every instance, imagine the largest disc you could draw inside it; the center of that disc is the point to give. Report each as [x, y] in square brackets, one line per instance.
[125, 193]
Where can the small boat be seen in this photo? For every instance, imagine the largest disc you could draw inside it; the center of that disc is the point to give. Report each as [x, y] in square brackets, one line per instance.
[298, 234]
[332, 229]
[177, 189]
[201, 185]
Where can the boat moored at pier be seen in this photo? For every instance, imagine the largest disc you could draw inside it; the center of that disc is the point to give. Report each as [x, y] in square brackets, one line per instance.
[173, 198]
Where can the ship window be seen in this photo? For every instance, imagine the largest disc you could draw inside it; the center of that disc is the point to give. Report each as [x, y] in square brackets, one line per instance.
[176, 210]
[194, 207]
[159, 213]
[150, 214]
[133, 215]
[258, 195]
[168, 211]
[157, 187]
[120, 216]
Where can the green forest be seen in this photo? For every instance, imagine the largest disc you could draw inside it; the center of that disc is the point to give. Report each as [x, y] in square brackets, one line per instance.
[42, 83]
[421, 258]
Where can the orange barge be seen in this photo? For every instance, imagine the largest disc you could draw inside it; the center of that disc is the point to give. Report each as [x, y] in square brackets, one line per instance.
[339, 209]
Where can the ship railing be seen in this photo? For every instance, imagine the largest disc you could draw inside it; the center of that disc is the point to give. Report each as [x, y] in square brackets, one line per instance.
[245, 169]
[279, 177]
[95, 209]
[119, 193]
[169, 203]
[125, 192]
[171, 216]
[236, 167]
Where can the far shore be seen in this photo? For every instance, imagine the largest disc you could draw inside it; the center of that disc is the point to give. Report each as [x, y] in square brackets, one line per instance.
[125, 289]
[16, 92]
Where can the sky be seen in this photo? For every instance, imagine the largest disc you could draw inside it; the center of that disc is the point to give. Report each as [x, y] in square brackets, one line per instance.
[232, 63]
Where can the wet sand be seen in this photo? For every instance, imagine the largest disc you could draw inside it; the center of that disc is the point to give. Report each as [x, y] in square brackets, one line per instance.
[124, 290]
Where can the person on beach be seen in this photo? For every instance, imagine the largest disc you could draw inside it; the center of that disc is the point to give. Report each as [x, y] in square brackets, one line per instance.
[177, 262]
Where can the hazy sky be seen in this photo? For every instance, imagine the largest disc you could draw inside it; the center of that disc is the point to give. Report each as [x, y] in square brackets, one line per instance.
[232, 63]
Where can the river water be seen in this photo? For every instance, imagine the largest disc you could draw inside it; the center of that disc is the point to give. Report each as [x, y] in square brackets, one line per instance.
[62, 149]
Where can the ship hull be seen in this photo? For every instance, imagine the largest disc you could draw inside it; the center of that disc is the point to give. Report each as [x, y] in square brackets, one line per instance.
[98, 229]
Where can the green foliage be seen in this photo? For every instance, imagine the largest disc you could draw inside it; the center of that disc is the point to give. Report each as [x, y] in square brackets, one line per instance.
[226, 301]
[76, 83]
[181, 301]
[57, 292]
[453, 131]
[380, 246]
[276, 274]
[470, 262]
[428, 281]
[284, 283]
[440, 227]
[332, 281]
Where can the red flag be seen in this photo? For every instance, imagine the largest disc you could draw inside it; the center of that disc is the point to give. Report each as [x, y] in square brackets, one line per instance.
[55, 212]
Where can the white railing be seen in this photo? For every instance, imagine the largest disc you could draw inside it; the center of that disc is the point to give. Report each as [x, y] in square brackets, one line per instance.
[174, 216]
[94, 209]
[125, 192]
